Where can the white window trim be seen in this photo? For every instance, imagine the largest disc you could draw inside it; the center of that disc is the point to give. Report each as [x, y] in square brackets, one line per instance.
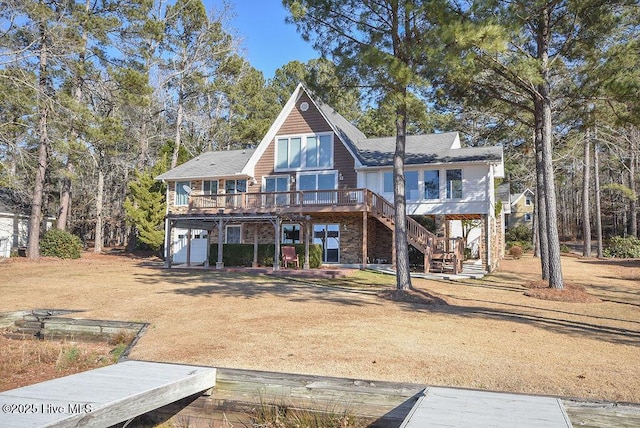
[446, 184]
[318, 172]
[276, 176]
[303, 152]
[218, 186]
[175, 197]
[226, 232]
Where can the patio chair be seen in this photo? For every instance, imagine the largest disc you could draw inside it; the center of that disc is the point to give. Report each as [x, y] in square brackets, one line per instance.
[289, 256]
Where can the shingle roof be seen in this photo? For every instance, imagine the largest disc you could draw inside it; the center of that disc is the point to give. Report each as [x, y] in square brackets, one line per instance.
[423, 149]
[347, 132]
[222, 163]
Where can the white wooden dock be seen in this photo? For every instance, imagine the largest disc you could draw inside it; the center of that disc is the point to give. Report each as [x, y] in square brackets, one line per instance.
[451, 407]
[104, 396]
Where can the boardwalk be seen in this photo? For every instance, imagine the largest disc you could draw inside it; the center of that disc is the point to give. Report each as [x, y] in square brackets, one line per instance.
[450, 407]
[102, 397]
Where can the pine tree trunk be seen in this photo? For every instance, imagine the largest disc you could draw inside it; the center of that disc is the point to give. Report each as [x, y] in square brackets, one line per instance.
[633, 204]
[403, 274]
[177, 140]
[33, 246]
[596, 177]
[97, 244]
[544, 94]
[541, 203]
[586, 221]
[553, 240]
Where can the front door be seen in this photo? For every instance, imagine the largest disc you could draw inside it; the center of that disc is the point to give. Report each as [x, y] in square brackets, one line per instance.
[328, 236]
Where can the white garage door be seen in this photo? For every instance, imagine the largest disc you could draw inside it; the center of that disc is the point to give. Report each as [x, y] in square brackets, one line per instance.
[198, 246]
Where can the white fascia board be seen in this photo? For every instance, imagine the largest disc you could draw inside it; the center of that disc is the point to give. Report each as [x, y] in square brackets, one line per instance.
[456, 142]
[271, 133]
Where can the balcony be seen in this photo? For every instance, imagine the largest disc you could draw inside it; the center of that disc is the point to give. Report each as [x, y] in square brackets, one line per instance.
[299, 201]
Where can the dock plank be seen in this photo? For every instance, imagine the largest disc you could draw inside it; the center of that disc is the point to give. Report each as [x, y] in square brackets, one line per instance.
[104, 396]
[452, 407]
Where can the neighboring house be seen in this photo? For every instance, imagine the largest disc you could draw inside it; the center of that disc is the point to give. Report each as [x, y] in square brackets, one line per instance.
[315, 178]
[522, 205]
[14, 223]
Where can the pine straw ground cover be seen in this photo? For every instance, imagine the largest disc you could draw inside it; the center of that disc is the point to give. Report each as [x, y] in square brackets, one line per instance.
[479, 333]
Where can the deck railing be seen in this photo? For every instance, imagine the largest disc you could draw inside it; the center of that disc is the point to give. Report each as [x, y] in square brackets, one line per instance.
[415, 231]
[273, 200]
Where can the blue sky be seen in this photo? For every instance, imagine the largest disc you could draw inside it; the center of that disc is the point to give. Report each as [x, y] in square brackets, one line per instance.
[268, 42]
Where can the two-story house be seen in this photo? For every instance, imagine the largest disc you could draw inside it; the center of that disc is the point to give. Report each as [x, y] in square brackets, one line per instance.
[315, 178]
[522, 206]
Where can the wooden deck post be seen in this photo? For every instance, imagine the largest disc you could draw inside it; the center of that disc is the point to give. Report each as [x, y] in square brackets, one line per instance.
[220, 263]
[255, 246]
[393, 247]
[189, 231]
[307, 233]
[365, 239]
[168, 247]
[208, 249]
[276, 256]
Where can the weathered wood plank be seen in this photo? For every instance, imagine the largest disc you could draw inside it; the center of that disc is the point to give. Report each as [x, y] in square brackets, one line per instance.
[451, 407]
[103, 397]
[603, 414]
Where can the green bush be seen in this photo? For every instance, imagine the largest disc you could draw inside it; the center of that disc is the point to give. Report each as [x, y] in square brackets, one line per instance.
[521, 236]
[242, 254]
[60, 243]
[624, 248]
[565, 249]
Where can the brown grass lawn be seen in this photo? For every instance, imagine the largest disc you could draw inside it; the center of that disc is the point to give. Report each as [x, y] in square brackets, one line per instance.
[481, 334]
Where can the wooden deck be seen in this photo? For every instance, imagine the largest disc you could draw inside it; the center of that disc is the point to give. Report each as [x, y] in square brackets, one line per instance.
[451, 407]
[102, 397]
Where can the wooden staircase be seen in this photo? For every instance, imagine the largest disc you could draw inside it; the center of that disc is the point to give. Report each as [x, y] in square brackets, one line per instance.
[438, 253]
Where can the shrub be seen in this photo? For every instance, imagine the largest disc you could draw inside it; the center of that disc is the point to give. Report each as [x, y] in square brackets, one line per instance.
[60, 243]
[516, 251]
[520, 235]
[625, 248]
[565, 249]
[242, 254]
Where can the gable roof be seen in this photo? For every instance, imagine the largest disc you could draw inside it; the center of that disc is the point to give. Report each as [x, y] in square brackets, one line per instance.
[515, 197]
[223, 163]
[344, 129]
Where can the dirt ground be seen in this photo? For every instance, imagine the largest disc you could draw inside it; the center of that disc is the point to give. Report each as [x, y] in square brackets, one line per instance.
[480, 333]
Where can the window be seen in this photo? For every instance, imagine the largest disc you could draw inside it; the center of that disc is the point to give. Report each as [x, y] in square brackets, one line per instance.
[527, 202]
[411, 185]
[328, 236]
[454, 183]
[235, 186]
[183, 188]
[388, 182]
[432, 184]
[279, 183]
[290, 233]
[313, 151]
[318, 181]
[372, 182]
[276, 184]
[233, 235]
[527, 217]
[210, 187]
